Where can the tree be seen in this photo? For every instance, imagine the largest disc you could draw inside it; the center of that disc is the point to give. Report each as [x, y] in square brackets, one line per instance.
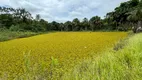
[43, 24]
[119, 17]
[76, 24]
[6, 17]
[85, 24]
[95, 23]
[55, 26]
[37, 17]
[21, 15]
[68, 26]
[6, 20]
[61, 26]
[136, 17]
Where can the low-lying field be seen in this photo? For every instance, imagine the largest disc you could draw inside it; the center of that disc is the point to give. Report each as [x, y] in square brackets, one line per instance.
[61, 49]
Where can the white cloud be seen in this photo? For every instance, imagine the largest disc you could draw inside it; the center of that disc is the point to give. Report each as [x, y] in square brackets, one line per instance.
[63, 10]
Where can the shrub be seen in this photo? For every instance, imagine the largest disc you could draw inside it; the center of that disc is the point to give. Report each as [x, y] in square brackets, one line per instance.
[37, 28]
[14, 28]
[2, 29]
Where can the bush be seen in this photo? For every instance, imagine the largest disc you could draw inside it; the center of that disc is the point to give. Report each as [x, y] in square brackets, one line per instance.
[2, 29]
[37, 28]
[14, 28]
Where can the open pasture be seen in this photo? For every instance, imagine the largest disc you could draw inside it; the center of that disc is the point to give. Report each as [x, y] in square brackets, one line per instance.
[67, 47]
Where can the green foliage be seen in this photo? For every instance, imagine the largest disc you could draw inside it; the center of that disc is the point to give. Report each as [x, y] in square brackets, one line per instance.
[85, 24]
[14, 28]
[76, 24]
[54, 26]
[68, 26]
[6, 20]
[95, 23]
[128, 13]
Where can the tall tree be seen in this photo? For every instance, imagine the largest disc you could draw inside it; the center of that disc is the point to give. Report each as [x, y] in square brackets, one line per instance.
[55, 26]
[22, 15]
[136, 17]
[76, 24]
[85, 24]
[95, 23]
[68, 26]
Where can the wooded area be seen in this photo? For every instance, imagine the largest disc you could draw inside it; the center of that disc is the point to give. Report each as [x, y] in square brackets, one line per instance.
[125, 17]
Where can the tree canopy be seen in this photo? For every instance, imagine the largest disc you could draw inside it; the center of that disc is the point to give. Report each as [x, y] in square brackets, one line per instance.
[124, 17]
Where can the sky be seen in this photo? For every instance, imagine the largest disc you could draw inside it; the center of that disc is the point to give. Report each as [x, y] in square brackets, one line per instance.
[64, 10]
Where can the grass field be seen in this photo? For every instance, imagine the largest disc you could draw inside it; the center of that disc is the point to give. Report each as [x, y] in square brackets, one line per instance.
[8, 35]
[124, 64]
[55, 53]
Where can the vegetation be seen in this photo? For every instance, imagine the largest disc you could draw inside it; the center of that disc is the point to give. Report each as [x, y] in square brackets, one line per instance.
[8, 35]
[124, 64]
[57, 53]
[123, 18]
[83, 55]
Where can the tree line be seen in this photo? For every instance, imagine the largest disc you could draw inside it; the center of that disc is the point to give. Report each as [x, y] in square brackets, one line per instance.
[124, 17]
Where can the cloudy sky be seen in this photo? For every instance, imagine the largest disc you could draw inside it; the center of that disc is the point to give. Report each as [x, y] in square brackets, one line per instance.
[63, 10]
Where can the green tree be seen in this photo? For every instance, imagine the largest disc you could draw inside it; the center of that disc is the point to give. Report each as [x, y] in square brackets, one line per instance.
[61, 26]
[95, 23]
[85, 24]
[21, 15]
[76, 24]
[68, 26]
[136, 18]
[54, 26]
[119, 17]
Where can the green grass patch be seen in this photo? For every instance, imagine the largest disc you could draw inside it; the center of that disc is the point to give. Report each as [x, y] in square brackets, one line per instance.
[8, 35]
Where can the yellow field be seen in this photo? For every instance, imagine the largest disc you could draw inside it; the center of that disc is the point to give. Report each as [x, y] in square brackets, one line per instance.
[66, 47]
